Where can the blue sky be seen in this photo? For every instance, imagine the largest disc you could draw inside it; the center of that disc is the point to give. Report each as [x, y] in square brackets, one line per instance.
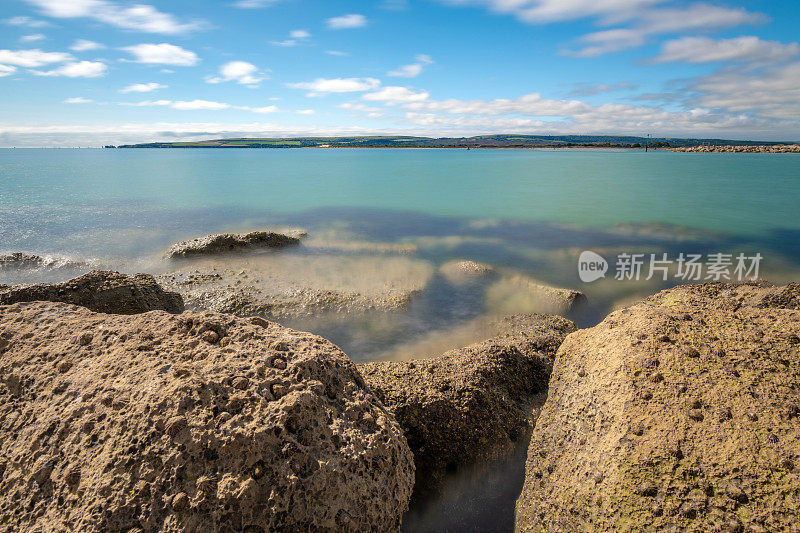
[89, 72]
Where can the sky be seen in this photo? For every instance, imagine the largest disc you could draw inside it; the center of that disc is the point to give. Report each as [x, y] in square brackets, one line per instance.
[95, 72]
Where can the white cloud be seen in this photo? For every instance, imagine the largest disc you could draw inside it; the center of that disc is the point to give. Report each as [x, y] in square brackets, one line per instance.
[696, 17]
[396, 95]
[771, 92]
[337, 53]
[77, 69]
[747, 49]
[78, 100]
[336, 85]
[84, 45]
[241, 72]
[542, 11]
[139, 17]
[343, 22]
[413, 70]
[27, 22]
[199, 104]
[589, 89]
[295, 38]
[33, 38]
[252, 4]
[142, 88]
[7, 70]
[147, 103]
[32, 58]
[644, 19]
[163, 54]
[305, 112]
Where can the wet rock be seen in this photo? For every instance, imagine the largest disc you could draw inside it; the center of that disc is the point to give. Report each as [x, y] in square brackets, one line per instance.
[518, 293]
[294, 286]
[464, 271]
[472, 403]
[711, 458]
[101, 291]
[25, 261]
[227, 242]
[171, 440]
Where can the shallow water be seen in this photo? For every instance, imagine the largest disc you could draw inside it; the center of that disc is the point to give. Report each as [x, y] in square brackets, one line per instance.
[390, 218]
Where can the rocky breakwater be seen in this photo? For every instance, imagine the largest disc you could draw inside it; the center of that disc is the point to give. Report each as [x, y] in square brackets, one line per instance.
[228, 242]
[473, 403]
[750, 149]
[101, 291]
[680, 413]
[191, 422]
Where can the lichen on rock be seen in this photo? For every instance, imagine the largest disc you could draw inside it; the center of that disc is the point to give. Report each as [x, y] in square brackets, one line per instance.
[678, 413]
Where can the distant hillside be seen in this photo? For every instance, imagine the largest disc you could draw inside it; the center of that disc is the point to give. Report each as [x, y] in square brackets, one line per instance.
[481, 141]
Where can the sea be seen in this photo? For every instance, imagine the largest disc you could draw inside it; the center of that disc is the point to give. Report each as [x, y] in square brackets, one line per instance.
[393, 217]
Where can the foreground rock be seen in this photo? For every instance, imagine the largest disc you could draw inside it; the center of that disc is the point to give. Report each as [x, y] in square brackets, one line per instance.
[679, 413]
[102, 291]
[227, 242]
[292, 285]
[197, 422]
[470, 404]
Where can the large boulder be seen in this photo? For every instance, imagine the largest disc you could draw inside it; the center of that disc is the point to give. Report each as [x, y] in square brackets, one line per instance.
[226, 242]
[102, 291]
[679, 413]
[192, 422]
[473, 403]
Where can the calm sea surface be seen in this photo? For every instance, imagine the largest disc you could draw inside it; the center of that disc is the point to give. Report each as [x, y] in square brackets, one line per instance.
[526, 212]
[47, 197]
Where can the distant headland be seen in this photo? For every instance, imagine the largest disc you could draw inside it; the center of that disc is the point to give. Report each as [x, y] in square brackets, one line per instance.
[481, 141]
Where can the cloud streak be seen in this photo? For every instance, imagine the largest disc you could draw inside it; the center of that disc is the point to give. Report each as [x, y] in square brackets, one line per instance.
[138, 17]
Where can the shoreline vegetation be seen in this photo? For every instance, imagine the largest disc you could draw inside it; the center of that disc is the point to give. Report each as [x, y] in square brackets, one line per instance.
[487, 141]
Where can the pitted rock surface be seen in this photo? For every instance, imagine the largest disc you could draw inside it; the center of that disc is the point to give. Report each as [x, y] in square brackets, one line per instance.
[192, 422]
[102, 291]
[473, 403]
[681, 413]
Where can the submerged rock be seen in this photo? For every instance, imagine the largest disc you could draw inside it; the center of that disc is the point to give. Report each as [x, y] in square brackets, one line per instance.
[102, 291]
[518, 293]
[196, 422]
[292, 285]
[678, 413]
[470, 404]
[226, 242]
[465, 271]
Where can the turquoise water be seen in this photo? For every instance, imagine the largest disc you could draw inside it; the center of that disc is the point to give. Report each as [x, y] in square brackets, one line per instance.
[46, 196]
